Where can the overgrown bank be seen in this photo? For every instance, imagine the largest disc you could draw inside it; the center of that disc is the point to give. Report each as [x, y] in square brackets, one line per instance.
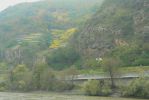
[43, 78]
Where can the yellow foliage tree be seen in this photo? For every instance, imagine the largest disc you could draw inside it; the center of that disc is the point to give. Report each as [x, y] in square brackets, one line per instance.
[61, 37]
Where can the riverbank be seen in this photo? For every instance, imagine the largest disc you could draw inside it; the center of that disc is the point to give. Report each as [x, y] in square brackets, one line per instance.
[39, 95]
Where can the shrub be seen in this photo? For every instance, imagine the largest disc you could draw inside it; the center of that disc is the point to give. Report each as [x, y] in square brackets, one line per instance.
[3, 86]
[62, 86]
[137, 88]
[106, 90]
[20, 78]
[21, 85]
[141, 61]
[96, 88]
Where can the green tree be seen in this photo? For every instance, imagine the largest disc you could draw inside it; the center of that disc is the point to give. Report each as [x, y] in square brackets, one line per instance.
[70, 73]
[111, 66]
[62, 58]
[96, 88]
[38, 71]
[137, 88]
[48, 80]
[20, 78]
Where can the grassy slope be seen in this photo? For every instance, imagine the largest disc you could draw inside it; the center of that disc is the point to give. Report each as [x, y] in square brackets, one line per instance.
[100, 71]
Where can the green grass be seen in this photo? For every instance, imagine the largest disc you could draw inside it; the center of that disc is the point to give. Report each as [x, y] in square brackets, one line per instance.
[135, 69]
[92, 71]
[100, 71]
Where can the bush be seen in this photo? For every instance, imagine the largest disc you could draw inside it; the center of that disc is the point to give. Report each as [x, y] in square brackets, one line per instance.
[141, 61]
[3, 86]
[96, 88]
[137, 88]
[47, 79]
[62, 86]
[21, 85]
[20, 78]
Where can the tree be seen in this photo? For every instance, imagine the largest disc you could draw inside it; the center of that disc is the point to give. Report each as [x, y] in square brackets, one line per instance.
[20, 78]
[67, 76]
[137, 88]
[47, 80]
[111, 66]
[62, 58]
[96, 88]
[38, 71]
[71, 73]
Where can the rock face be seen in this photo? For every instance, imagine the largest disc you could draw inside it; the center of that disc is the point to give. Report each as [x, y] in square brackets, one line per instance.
[117, 23]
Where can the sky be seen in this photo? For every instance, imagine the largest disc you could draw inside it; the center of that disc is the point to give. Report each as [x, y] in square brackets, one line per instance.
[6, 3]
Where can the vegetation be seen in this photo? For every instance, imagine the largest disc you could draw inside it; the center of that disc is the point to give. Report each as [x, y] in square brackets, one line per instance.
[110, 66]
[122, 70]
[45, 45]
[62, 38]
[96, 88]
[132, 55]
[137, 88]
[20, 78]
[116, 30]
[62, 58]
[41, 77]
[28, 32]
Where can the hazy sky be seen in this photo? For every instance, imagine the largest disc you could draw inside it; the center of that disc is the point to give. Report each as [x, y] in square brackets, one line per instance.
[6, 3]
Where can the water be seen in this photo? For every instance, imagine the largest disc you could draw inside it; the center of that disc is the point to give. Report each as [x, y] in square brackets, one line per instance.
[52, 96]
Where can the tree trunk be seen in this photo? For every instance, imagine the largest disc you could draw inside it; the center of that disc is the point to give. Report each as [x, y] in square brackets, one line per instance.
[112, 79]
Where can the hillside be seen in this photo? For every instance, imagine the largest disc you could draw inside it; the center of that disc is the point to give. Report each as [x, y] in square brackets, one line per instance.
[75, 33]
[28, 29]
[120, 28]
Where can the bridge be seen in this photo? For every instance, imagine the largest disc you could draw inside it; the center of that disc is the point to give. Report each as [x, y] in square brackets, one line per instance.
[101, 77]
[120, 79]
